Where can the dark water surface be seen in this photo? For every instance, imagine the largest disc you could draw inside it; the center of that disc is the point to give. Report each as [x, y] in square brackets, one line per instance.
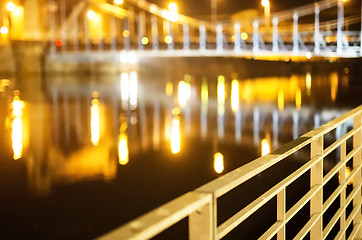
[64, 168]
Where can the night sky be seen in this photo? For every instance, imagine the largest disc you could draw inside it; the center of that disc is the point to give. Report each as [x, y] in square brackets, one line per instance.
[202, 8]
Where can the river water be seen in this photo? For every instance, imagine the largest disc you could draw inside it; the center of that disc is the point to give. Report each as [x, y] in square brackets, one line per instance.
[83, 154]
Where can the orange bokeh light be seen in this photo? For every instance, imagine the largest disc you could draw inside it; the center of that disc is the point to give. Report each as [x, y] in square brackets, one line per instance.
[58, 43]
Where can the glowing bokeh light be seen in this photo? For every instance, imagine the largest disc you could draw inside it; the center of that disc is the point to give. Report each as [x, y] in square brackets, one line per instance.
[19, 11]
[204, 92]
[144, 40]
[91, 14]
[308, 83]
[4, 30]
[17, 106]
[169, 88]
[280, 100]
[308, 55]
[168, 39]
[58, 43]
[153, 8]
[244, 36]
[218, 162]
[95, 123]
[175, 111]
[298, 99]
[184, 93]
[165, 14]
[175, 136]
[17, 138]
[172, 7]
[10, 7]
[118, 2]
[265, 147]
[123, 152]
[123, 149]
[171, 16]
[221, 89]
[235, 95]
[265, 3]
[334, 86]
[125, 33]
[220, 95]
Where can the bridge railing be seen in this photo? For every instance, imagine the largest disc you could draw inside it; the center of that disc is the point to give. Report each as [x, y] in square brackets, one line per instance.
[94, 25]
[201, 205]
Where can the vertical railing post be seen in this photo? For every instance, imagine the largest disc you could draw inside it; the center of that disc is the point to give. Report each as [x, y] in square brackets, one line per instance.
[275, 128]
[316, 179]
[219, 38]
[100, 33]
[86, 32]
[154, 29]
[357, 142]
[186, 37]
[52, 27]
[255, 35]
[63, 33]
[131, 19]
[295, 32]
[170, 46]
[237, 41]
[340, 26]
[342, 172]
[275, 34]
[202, 37]
[256, 125]
[75, 33]
[295, 124]
[202, 223]
[141, 28]
[127, 38]
[281, 207]
[316, 29]
[113, 32]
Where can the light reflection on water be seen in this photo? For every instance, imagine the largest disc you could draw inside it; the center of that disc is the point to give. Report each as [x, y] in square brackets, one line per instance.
[17, 107]
[94, 130]
[258, 105]
[123, 157]
[95, 124]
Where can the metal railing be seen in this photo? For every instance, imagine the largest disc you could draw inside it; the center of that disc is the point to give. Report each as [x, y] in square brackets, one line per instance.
[144, 26]
[200, 206]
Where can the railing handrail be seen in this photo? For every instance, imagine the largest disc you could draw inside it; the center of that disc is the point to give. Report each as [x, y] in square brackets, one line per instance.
[233, 179]
[200, 204]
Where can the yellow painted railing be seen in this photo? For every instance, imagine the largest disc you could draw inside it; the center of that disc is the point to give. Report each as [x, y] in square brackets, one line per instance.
[200, 206]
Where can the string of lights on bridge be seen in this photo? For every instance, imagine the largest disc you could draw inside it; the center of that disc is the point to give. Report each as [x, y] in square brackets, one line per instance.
[225, 31]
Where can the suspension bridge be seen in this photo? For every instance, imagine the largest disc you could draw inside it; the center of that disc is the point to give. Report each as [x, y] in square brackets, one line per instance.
[102, 31]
